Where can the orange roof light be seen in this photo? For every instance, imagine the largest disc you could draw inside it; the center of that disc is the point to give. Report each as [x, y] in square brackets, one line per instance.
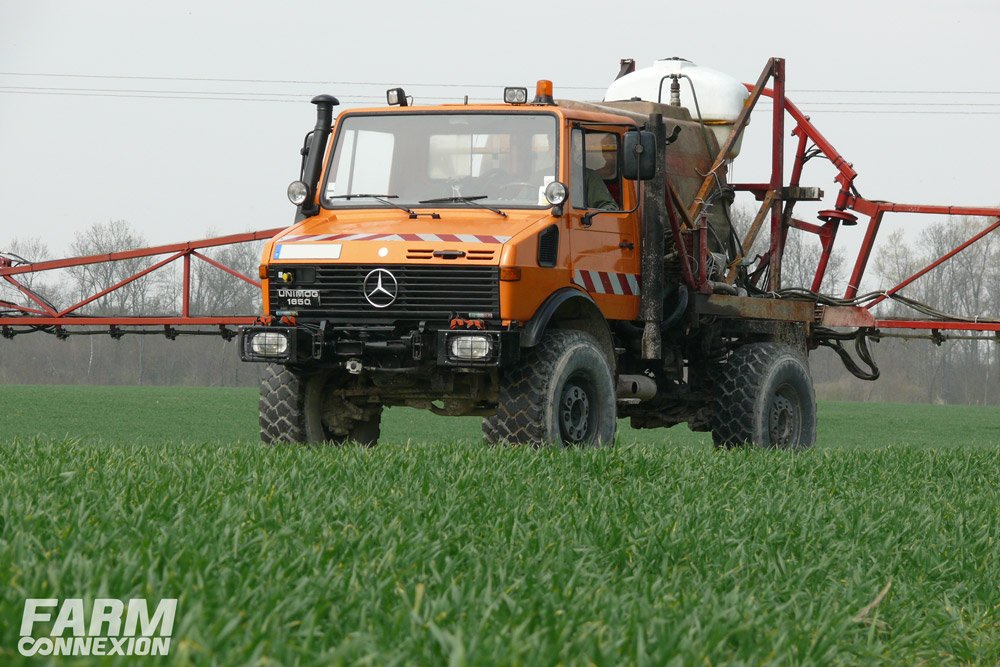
[543, 92]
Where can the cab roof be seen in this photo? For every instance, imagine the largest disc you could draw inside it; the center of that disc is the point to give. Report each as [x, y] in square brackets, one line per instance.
[582, 111]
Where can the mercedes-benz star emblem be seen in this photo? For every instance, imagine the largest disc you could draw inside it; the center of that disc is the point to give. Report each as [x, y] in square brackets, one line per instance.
[380, 288]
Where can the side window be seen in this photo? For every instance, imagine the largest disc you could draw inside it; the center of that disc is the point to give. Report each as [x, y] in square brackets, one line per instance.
[577, 187]
[596, 173]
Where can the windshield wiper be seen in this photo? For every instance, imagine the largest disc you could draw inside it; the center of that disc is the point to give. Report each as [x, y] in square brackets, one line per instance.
[385, 200]
[463, 200]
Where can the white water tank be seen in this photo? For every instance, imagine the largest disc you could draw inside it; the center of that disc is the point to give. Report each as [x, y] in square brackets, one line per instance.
[720, 96]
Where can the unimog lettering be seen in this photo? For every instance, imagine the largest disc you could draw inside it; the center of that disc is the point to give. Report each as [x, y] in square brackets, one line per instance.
[300, 297]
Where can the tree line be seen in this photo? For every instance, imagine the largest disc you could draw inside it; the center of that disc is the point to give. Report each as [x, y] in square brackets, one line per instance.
[953, 371]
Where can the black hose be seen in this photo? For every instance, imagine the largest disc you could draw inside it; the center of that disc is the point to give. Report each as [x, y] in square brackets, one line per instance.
[834, 340]
[633, 331]
[679, 309]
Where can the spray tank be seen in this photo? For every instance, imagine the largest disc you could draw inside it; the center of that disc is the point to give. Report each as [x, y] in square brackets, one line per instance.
[719, 97]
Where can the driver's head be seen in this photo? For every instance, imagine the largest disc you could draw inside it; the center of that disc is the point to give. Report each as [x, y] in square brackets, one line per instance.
[595, 156]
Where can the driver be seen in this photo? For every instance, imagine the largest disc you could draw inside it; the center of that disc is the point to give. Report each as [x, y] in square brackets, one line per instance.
[597, 193]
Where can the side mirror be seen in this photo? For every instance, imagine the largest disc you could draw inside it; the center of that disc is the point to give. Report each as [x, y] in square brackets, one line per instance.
[639, 156]
[304, 152]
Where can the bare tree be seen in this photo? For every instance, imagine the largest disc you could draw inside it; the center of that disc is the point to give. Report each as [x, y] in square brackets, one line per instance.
[961, 286]
[216, 292]
[801, 257]
[28, 250]
[102, 238]
[967, 285]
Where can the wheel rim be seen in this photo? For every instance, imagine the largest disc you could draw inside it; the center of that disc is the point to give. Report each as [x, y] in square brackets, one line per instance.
[785, 417]
[575, 422]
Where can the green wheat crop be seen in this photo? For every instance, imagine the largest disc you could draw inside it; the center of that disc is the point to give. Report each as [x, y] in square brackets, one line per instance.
[436, 549]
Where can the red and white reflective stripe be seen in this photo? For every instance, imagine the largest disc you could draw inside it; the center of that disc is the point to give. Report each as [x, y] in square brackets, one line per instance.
[427, 238]
[602, 282]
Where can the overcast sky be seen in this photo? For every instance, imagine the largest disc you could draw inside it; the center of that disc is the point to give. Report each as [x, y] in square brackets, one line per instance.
[80, 149]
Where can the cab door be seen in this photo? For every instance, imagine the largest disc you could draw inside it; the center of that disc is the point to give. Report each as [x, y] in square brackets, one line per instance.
[603, 227]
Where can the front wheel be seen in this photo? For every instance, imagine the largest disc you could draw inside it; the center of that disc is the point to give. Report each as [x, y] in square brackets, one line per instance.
[561, 392]
[303, 408]
[764, 397]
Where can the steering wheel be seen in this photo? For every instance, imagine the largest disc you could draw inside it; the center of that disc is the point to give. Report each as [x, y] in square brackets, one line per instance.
[514, 189]
[505, 189]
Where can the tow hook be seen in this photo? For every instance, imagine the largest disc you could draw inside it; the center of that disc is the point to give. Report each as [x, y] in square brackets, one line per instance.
[353, 366]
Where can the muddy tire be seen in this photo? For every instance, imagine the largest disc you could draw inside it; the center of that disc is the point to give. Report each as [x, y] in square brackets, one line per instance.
[561, 392]
[301, 408]
[764, 397]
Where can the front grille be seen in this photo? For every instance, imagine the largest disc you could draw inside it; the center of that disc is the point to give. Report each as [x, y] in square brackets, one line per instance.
[424, 292]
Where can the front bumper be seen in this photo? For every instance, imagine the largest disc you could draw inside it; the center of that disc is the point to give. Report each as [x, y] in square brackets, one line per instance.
[318, 345]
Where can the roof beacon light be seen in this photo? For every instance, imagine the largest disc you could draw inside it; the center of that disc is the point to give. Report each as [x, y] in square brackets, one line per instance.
[515, 95]
[396, 97]
[543, 92]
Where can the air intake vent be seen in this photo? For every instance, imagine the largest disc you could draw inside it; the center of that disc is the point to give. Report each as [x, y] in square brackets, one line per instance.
[548, 247]
[419, 253]
[480, 255]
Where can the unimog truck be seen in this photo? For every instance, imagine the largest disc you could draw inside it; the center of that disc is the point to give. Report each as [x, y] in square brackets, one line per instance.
[551, 266]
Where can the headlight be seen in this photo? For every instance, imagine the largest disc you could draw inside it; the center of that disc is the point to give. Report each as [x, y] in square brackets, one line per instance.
[297, 192]
[470, 347]
[269, 344]
[555, 193]
[515, 95]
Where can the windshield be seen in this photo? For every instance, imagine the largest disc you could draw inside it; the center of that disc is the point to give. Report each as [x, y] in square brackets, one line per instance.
[496, 159]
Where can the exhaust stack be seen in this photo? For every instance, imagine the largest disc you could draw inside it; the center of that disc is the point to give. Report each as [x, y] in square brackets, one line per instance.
[314, 158]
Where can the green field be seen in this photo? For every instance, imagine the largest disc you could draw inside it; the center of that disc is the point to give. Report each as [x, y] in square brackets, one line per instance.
[436, 549]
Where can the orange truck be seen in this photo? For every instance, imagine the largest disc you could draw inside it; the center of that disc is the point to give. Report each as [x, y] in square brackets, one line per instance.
[519, 261]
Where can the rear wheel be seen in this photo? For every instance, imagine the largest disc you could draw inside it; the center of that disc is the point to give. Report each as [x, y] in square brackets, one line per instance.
[764, 397]
[306, 408]
[561, 392]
